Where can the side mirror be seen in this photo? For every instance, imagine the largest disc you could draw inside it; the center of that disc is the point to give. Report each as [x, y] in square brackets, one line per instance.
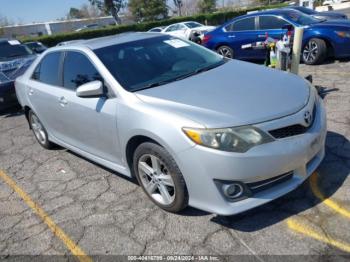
[288, 27]
[90, 90]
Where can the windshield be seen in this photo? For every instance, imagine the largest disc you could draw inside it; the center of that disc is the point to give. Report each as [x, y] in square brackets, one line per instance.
[8, 51]
[193, 24]
[301, 18]
[156, 61]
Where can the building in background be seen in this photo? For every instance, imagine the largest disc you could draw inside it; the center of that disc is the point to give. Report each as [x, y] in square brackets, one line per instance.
[49, 28]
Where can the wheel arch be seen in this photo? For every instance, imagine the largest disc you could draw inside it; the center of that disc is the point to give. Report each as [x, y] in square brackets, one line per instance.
[222, 44]
[26, 113]
[131, 146]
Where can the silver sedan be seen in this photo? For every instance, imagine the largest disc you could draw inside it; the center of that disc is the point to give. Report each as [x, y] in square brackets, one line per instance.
[193, 127]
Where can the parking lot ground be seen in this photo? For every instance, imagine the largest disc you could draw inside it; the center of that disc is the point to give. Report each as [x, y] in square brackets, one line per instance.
[100, 212]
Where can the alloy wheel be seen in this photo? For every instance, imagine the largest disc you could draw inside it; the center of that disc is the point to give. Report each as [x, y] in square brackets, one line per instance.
[225, 52]
[156, 180]
[310, 51]
[38, 129]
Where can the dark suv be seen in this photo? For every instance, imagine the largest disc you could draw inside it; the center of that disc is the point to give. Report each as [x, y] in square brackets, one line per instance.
[14, 60]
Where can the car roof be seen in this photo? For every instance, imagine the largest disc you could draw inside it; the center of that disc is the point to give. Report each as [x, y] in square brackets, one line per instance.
[100, 42]
[282, 11]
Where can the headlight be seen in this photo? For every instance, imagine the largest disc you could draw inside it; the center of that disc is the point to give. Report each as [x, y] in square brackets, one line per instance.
[237, 139]
[343, 34]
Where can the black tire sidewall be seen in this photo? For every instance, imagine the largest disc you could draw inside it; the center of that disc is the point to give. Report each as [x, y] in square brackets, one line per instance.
[181, 194]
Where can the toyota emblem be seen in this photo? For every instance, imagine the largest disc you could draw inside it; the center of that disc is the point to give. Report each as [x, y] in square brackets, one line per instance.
[308, 118]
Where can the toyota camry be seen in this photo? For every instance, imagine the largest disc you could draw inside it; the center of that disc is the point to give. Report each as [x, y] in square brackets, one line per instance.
[193, 127]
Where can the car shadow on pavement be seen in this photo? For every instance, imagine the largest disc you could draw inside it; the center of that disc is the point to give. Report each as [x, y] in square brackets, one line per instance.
[11, 112]
[332, 173]
[130, 179]
[332, 60]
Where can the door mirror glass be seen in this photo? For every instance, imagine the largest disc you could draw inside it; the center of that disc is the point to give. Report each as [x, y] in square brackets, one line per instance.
[288, 27]
[91, 89]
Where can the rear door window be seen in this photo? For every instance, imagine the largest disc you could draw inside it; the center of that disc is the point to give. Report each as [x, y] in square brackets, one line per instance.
[48, 69]
[78, 70]
[246, 24]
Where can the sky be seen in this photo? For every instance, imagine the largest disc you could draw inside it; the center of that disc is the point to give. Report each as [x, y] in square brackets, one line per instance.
[27, 11]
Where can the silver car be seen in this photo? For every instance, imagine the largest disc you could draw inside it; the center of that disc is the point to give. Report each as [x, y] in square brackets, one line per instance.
[194, 128]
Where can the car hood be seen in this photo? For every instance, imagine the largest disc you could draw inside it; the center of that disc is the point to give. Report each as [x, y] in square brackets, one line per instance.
[334, 23]
[332, 14]
[236, 93]
[12, 68]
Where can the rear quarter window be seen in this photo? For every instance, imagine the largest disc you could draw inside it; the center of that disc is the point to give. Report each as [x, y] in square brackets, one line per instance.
[47, 71]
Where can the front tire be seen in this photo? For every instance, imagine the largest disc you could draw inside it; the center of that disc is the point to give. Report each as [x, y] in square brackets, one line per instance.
[39, 131]
[160, 177]
[315, 51]
[225, 51]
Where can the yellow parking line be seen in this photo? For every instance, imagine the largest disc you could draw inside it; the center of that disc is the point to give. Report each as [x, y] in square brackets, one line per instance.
[328, 202]
[306, 230]
[58, 232]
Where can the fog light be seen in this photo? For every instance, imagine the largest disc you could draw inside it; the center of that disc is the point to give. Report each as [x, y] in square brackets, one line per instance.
[232, 191]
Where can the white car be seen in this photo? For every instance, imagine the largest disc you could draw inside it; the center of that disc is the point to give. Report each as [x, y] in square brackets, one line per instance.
[332, 2]
[186, 30]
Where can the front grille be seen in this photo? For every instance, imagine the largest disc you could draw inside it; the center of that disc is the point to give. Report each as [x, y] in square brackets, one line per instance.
[289, 131]
[293, 130]
[256, 187]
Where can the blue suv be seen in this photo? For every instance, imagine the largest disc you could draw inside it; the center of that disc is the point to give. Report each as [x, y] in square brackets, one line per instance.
[321, 38]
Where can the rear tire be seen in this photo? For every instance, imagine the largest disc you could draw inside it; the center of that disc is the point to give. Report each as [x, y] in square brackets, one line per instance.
[39, 131]
[225, 51]
[314, 52]
[160, 177]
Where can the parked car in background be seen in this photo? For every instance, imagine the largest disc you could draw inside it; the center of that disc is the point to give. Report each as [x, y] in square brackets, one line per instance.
[36, 47]
[89, 27]
[332, 2]
[321, 38]
[187, 30]
[193, 127]
[329, 15]
[15, 58]
[156, 29]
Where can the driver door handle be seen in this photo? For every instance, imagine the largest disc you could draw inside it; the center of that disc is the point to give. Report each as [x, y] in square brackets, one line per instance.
[63, 101]
[30, 91]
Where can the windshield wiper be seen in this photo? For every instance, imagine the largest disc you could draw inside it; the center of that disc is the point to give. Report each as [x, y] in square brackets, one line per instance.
[198, 71]
[151, 85]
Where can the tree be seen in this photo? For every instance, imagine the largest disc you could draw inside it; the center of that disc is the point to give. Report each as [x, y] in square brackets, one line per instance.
[178, 4]
[4, 21]
[74, 13]
[148, 10]
[189, 7]
[207, 6]
[112, 7]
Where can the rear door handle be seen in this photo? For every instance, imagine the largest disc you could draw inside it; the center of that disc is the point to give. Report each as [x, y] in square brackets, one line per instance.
[231, 36]
[261, 35]
[63, 101]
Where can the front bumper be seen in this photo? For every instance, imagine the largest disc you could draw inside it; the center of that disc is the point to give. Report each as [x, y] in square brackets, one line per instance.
[8, 96]
[342, 47]
[300, 154]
